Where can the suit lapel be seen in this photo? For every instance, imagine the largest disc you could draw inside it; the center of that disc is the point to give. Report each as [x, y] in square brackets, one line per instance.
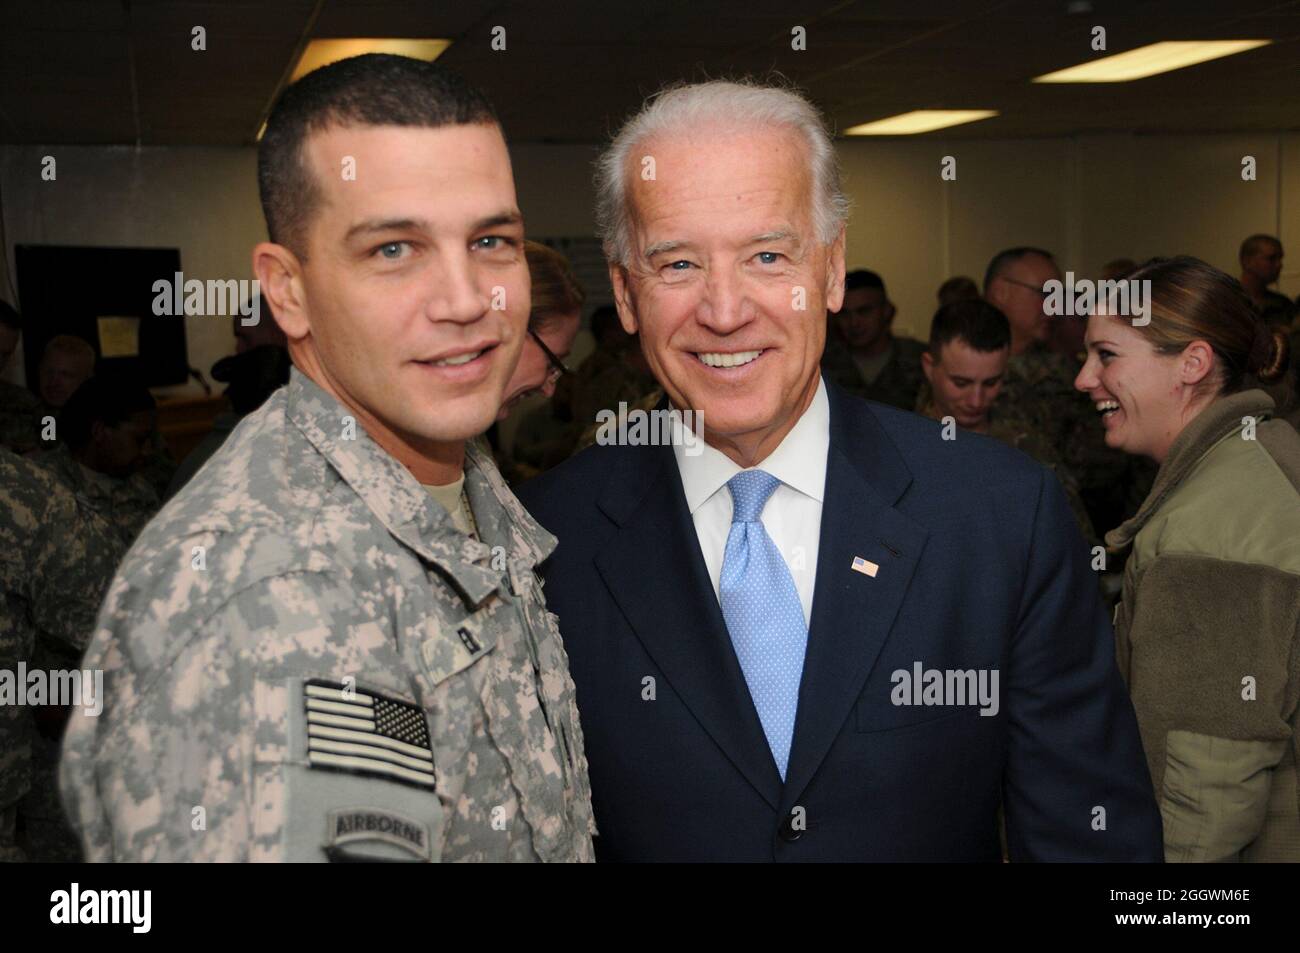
[852, 612]
[656, 573]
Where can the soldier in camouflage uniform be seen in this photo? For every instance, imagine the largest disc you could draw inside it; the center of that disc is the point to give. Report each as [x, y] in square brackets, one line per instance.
[19, 423]
[862, 354]
[965, 368]
[56, 560]
[1039, 384]
[19, 430]
[104, 432]
[332, 643]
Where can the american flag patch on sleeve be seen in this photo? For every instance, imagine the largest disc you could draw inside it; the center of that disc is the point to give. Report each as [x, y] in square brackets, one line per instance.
[367, 733]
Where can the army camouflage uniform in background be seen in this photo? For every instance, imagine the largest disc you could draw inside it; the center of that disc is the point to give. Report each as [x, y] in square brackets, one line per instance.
[898, 383]
[1039, 389]
[128, 503]
[20, 429]
[1008, 426]
[603, 382]
[347, 676]
[56, 560]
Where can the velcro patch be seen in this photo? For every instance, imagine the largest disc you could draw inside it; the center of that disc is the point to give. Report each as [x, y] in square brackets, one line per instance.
[360, 824]
[367, 733]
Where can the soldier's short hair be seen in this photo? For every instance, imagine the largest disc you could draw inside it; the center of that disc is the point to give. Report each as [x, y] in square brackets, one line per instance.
[109, 398]
[376, 89]
[957, 288]
[1252, 245]
[1008, 257]
[972, 320]
[860, 278]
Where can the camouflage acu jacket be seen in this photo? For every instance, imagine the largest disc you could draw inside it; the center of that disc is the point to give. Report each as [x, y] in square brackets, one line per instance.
[55, 563]
[126, 503]
[304, 660]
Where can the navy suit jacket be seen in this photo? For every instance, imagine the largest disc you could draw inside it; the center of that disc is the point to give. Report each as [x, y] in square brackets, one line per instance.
[980, 567]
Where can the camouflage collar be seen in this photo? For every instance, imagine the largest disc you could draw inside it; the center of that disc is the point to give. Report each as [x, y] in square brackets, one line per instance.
[1221, 419]
[406, 510]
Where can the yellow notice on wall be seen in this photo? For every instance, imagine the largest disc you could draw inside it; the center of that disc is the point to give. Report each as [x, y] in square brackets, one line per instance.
[119, 337]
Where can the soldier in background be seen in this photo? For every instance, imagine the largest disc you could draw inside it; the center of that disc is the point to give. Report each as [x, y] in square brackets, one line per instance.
[957, 288]
[1260, 257]
[862, 354]
[105, 431]
[552, 327]
[19, 408]
[251, 376]
[332, 644]
[66, 363]
[616, 372]
[965, 366]
[56, 560]
[1039, 385]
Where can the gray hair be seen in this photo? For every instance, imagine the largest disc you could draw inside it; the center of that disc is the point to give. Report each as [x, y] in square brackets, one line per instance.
[744, 103]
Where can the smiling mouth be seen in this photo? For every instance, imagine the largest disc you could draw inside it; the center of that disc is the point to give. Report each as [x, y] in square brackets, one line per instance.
[1107, 407]
[456, 360]
[728, 358]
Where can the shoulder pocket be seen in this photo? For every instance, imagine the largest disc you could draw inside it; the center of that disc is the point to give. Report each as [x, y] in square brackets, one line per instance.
[344, 771]
[451, 647]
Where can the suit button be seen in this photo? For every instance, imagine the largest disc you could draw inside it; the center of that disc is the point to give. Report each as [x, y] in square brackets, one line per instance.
[789, 831]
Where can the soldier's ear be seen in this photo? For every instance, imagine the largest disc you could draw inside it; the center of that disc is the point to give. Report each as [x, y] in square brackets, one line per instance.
[279, 274]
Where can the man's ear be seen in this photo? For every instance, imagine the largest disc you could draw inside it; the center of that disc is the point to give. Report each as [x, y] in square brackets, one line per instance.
[996, 293]
[890, 311]
[835, 273]
[927, 366]
[618, 277]
[279, 273]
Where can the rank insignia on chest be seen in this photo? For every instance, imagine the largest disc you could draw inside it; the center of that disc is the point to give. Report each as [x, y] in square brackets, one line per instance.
[367, 733]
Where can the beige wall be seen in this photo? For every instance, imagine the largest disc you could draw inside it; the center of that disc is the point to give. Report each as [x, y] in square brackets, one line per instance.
[1089, 199]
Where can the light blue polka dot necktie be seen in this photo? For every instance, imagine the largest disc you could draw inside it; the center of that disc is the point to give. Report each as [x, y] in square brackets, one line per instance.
[763, 614]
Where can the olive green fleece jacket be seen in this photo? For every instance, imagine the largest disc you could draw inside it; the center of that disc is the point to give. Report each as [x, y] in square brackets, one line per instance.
[1208, 630]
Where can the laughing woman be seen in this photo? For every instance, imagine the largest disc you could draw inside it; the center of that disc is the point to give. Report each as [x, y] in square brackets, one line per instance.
[1208, 628]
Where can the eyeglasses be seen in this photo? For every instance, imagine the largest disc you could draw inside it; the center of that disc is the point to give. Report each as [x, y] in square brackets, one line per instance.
[557, 368]
[1024, 284]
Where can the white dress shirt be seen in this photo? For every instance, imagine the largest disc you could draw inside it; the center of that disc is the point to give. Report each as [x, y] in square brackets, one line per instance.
[793, 514]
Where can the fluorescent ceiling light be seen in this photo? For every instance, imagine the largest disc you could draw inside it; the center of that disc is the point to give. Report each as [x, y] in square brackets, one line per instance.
[1149, 60]
[323, 52]
[918, 121]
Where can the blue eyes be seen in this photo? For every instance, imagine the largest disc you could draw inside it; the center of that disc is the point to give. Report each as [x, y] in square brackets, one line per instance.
[398, 250]
[763, 257]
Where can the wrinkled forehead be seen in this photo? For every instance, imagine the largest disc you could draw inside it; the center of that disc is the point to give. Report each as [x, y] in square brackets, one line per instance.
[719, 169]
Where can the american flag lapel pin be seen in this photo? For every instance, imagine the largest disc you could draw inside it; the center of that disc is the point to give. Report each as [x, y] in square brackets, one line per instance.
[865, 566]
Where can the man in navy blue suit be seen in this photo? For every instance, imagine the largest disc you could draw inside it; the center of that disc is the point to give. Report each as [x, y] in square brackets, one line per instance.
[830, 630]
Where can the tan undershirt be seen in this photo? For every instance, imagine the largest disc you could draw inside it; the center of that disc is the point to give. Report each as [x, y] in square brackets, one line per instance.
[451, 497]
